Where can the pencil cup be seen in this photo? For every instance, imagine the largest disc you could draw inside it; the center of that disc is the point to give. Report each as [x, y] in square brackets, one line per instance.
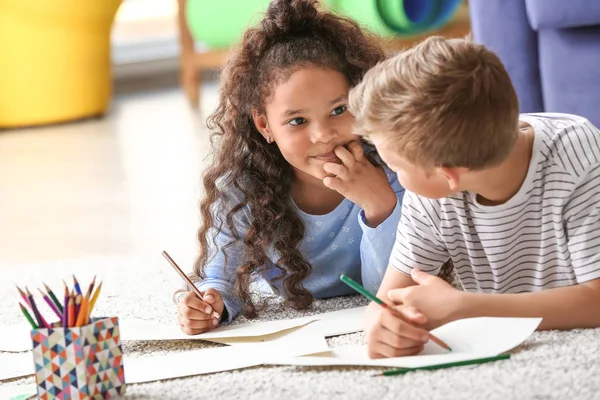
[79, 363]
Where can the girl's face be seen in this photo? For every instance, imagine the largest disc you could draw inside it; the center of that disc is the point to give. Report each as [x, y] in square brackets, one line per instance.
[307, 118]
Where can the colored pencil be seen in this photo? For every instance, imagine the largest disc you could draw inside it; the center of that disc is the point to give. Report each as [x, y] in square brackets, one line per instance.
[356, 286]
[38, 316]
[71, 312]
[53, 297]
[76, 284]
[65, 321]
[83, 313]
[50, 303]
[401, 371]
[187, 280]
[77, 308]
[28, 316]
[93, 300]
[23, 296]
[91, 288]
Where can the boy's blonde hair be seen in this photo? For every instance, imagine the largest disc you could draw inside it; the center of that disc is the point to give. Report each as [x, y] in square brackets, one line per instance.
[445, 102]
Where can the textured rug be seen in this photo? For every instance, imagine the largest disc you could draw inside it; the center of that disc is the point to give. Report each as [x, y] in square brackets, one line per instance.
[550, 365]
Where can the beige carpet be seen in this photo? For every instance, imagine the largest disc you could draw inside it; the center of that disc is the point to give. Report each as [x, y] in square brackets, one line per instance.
[551, 365]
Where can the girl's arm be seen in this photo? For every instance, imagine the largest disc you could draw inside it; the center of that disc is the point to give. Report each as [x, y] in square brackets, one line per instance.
[377, 241]
[227, 256]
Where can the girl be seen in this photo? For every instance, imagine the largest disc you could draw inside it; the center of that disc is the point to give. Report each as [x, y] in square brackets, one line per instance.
[291, 197]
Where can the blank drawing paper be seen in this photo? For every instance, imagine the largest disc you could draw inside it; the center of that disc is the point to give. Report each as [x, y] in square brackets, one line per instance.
[247, 352]
[16, 365]
[17, 337]
[469, 339]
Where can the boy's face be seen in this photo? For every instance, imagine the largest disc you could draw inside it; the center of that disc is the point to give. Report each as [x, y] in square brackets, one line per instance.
[427, 183]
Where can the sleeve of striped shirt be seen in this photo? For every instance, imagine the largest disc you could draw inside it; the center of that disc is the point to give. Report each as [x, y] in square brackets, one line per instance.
[582, 221]
[418, 243]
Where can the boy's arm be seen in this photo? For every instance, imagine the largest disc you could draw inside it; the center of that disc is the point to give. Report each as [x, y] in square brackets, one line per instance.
[416, 243]
[393, 279]
[561, 308]
[567, 307]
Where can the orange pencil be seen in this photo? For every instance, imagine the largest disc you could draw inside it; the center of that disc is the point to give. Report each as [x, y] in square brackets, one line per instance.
[83, 313]
[71, 313]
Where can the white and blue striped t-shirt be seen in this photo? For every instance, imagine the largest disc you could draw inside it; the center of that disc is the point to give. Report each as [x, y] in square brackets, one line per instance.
[546, 236]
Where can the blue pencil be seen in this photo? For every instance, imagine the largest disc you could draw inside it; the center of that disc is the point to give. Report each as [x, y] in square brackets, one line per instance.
[77, 288]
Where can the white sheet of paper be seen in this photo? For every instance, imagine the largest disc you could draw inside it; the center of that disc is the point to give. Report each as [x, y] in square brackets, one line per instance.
[469, 339]
[307, 339]
[247, 352]
[189, 363]
[17, 337]
[342, 322]
[16, 365]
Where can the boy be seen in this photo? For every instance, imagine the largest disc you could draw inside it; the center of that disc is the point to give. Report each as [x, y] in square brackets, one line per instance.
[512, 201]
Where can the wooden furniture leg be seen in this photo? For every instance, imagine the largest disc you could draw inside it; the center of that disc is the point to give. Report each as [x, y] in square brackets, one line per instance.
[189, 75]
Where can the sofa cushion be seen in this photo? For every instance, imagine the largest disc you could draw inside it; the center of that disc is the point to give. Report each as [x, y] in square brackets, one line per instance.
[555, 14]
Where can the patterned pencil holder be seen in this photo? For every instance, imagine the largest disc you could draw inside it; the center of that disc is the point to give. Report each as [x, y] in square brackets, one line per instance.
[79, 363]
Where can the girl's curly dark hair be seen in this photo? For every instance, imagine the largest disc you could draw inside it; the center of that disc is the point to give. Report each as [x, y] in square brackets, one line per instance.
[292, 34]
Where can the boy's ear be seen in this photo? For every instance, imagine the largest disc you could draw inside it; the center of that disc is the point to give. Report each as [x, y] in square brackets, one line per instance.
[261, 123]
[452, 175]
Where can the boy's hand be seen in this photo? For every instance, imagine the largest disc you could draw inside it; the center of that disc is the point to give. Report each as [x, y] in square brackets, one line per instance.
[362, 183]
[391, 336]
[433, 296]
[195, 315]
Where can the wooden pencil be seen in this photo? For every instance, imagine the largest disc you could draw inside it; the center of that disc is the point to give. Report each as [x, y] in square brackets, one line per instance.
[76, 284]
[93, 300]
[71, 312]
[38, 316]
[50, 303]
[356, 286]
[65, 320]
[53, 297]
[28, 316]
[23, 296]
[82, 316]
[77, 308]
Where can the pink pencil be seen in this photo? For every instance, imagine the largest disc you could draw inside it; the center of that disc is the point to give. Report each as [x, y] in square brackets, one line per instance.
[23, 296]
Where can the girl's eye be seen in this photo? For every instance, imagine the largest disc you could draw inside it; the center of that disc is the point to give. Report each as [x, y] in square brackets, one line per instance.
[297, 121]
[339, 110]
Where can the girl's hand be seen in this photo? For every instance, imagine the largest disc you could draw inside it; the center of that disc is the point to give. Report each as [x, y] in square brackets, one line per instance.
[362, 183]
[195, 315]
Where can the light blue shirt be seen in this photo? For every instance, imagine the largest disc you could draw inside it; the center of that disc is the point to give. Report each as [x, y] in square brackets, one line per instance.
[335, 243]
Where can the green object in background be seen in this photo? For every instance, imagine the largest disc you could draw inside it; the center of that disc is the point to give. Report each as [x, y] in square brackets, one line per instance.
[219, 23]
[393, 18]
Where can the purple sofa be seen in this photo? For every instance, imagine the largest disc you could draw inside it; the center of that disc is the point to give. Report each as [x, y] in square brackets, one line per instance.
[551, 49]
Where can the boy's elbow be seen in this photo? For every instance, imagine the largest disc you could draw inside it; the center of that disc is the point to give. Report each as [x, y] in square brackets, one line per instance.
[593, 286]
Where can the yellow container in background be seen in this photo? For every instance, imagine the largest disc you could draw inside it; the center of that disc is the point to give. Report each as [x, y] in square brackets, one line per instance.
[55, 61]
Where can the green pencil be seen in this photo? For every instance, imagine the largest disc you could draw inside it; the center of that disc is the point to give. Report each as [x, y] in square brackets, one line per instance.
[28, 316]
[53, 297]
[356, 286]
[401, 371]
